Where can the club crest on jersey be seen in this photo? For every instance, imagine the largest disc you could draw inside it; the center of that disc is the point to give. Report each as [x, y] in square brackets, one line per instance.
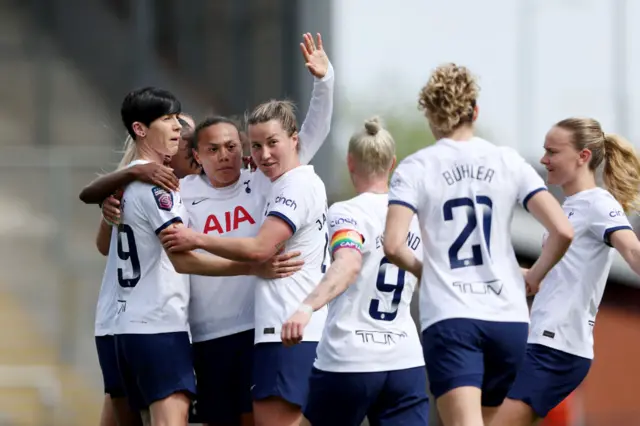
[164, 199]
[395, 182]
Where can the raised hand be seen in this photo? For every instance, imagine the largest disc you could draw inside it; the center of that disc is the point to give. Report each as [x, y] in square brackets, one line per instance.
[315, 58]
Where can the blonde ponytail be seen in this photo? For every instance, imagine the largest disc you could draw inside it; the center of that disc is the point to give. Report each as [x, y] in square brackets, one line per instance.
[622, 172]
[373, 148]
[128, 152]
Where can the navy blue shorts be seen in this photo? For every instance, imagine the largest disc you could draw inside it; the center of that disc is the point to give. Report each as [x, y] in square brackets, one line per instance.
[547, 377]
[106, 347]
[283, 371]
[223, 371]
[386, 398]
[155, 366]
[468, 352]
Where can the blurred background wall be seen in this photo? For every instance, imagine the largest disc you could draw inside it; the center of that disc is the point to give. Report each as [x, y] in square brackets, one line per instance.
[67, 64]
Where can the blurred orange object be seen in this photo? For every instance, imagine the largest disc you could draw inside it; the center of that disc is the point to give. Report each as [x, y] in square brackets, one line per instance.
[561, 415]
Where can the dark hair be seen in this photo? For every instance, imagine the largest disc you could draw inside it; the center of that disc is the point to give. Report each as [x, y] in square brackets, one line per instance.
[208, 122]
[146, 105]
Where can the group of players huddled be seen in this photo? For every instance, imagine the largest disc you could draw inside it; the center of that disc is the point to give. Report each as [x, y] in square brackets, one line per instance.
[233, 295]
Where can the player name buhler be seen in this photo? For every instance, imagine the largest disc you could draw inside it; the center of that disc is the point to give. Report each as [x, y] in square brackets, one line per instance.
[468, 171]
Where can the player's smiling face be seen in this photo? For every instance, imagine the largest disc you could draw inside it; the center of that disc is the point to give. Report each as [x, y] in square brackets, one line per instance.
[272, 149]
[163, 135]
[220, 153]
[561, 159]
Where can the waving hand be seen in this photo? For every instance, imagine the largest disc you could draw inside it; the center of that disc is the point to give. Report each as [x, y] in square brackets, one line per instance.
[316, 59]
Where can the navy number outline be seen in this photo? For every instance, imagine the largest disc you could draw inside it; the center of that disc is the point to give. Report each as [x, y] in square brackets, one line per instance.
[125, 231]
[470, 208]
[385, 287]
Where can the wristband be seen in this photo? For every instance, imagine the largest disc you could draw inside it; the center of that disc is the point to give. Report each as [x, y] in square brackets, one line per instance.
[307, 309]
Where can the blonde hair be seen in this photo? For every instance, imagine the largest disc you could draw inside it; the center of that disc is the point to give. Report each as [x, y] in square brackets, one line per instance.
[128, 152]
[373, 147]
[448, 99]
[621, 172]
[283, 111]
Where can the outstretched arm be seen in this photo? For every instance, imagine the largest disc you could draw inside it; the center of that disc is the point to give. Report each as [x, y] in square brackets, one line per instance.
[317, 123]
[105, 185]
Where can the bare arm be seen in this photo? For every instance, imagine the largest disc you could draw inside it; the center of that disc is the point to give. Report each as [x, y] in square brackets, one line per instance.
[103, 238]
[205, 264]
[270, 239]
[395, 240]
[546, 209]
[105, 185]
[194, 263]
[627, 244]
[343, 272]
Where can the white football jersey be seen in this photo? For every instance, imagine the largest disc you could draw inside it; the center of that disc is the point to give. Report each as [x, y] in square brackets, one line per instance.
[106, 306]
[107, 297]
[369, 327]
[564, 310]
[152, 296]
[221, 306]
[464, 194]
[298, 197]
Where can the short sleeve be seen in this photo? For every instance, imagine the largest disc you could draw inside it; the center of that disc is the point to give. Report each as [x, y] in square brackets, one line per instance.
[289, 204]
[346, 229]
[403, 187]
[160, 207]
[528, 180]
[606, 217]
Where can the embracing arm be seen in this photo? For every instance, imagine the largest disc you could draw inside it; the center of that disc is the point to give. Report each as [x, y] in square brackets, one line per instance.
[273, 233]
[204, 264]
[395, 246]
[105, 185]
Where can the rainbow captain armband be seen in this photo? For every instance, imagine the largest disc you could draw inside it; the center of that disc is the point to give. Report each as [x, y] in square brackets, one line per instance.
[346, 238]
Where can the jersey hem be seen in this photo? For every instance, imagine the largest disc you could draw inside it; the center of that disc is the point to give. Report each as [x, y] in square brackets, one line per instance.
[198, 338]
[429, 323]
[153, 329]
[356, 367]
[534, 340]
[278, 339]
